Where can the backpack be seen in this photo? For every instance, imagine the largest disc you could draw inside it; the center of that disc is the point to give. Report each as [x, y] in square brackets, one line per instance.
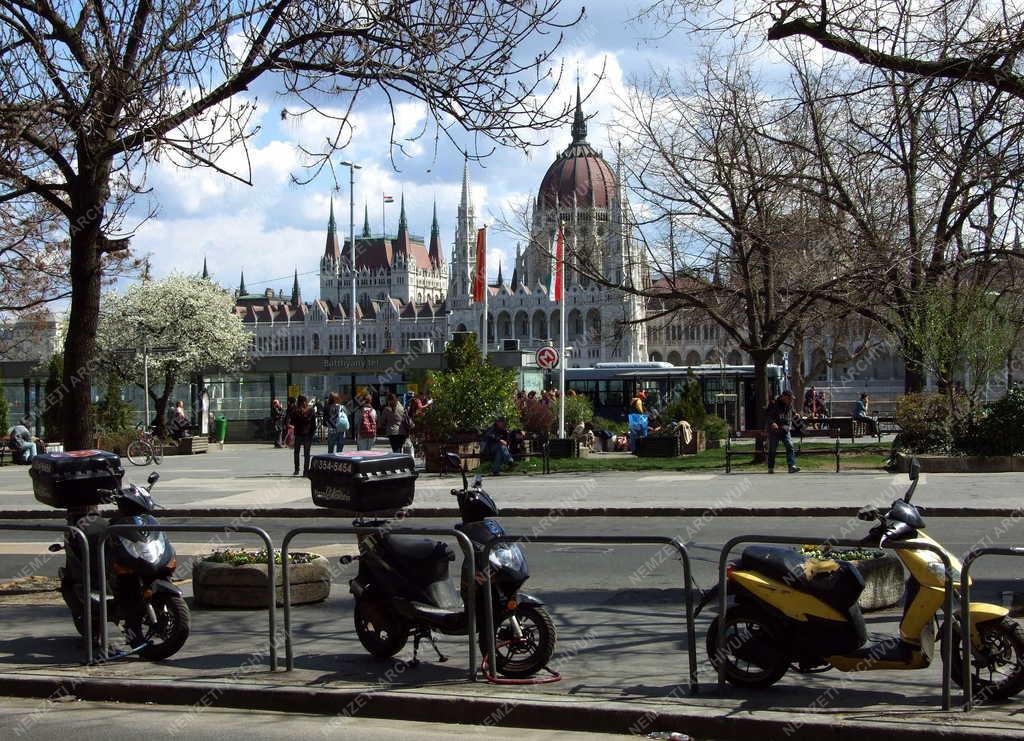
[342, 421]
[367, 423]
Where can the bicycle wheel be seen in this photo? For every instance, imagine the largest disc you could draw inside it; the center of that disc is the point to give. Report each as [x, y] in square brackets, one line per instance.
[139, 453]
[158, 451]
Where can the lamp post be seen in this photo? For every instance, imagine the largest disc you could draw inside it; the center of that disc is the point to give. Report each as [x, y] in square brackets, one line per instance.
[828, 361]
[352, 167]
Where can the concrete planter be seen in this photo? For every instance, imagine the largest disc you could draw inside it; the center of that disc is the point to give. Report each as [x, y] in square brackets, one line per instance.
[225, 585]
[563, 447]
[667, 446]
[883, 582]
[432, 454]
[962, 463]
[698, 444]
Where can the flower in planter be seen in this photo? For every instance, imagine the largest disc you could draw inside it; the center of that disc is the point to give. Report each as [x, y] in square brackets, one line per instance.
[240, 557]
[853, 554]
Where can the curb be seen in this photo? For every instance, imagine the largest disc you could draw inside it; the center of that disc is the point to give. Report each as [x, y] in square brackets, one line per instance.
[562, 714]
[243, 513]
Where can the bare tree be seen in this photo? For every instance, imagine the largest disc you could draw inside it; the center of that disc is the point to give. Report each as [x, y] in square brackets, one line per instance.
[90, 93]
[974, 41]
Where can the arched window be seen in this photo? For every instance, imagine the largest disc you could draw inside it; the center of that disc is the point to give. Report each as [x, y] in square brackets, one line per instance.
[316, 342]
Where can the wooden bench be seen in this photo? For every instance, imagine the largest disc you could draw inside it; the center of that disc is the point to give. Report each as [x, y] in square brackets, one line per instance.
[835, 451]
[5, 452]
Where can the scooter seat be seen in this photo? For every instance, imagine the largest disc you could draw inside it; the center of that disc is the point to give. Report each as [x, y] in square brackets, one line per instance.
[839, 588]
[413, 548]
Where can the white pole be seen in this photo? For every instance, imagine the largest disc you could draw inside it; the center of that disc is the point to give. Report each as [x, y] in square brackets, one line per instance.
[560, 285]
[486, 291]
[145, 377]
[352, 167]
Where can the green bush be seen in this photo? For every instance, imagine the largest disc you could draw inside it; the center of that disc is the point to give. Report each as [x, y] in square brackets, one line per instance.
[578, 410]
[689, 405]
[925, 422]
[247, 558]
[469, 400]
[52, 405]
[112, 416]
[618, 428]
[715, 428]
[538, 419]
[997, 430]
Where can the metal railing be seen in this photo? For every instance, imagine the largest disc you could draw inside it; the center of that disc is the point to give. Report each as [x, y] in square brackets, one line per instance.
[965, 609]
[947, 642]
[271, 577]
[468, 572]
[691, 637]
[86, 585]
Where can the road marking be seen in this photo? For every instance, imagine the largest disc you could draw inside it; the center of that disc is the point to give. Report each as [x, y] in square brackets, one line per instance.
[680, 477]
[252, 499]
[40, 547]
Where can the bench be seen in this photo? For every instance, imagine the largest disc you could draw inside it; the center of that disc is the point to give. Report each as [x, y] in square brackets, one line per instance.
[5, 452]
[835, 451]
[543, 453]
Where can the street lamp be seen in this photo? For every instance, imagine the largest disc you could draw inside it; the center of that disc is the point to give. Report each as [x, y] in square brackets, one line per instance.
[828, 361]
[352, 167]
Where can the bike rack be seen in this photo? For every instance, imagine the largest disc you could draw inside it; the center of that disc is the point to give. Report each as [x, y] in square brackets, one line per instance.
[468, 572]
[114, 529]
[965, 604]
[947, 642]
[691, 636]
[86, 585]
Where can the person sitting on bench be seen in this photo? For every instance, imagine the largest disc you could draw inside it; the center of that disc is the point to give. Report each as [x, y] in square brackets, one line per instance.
[23, 444]
[860, 414]
[495, 446]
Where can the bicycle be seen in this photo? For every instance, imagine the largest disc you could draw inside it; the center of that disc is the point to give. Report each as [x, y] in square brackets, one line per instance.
[146, 448]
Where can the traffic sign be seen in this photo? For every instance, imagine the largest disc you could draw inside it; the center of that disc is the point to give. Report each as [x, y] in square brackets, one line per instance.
[547, 358]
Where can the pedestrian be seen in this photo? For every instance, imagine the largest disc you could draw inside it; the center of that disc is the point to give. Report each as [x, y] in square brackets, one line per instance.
[395, 422]
[178, 426]
[337, 423]
[780, 425]
[277, 420]
[22, 442]
[303, 422]
[860, 413]
[365, 421]
[289, 431]
[495, 446]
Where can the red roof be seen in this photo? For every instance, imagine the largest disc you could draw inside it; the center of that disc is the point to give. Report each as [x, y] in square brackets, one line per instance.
[377, 253]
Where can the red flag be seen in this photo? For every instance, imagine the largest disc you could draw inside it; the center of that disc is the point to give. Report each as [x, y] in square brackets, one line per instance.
[480, 278]
[389, 199]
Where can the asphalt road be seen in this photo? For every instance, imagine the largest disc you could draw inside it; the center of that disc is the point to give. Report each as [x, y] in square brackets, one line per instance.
[41, 720]
[565, 569]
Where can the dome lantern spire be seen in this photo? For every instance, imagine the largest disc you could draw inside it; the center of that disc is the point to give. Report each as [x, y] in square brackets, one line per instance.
[579, 121]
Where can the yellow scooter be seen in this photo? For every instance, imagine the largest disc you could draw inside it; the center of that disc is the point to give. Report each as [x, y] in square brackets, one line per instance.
[791, 611]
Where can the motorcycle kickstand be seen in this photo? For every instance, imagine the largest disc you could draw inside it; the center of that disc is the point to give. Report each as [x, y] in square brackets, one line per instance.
[441, 658]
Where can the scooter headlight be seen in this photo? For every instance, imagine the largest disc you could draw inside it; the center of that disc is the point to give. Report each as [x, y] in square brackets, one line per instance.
[506, 555]
[150, 551]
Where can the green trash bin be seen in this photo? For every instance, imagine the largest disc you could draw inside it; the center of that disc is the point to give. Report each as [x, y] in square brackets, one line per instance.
[220, 428]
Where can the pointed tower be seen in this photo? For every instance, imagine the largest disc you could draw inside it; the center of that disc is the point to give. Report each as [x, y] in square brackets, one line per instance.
[435, 241]
[579, 122]
[501, 280]
[296, 297]
[206, 273]
[241, 285]
[464, 260]
[366, 222]
[401, 244]
[515, 269]
[332, 251]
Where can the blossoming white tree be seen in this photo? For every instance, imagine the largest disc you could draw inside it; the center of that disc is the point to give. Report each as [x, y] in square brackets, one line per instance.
[190, 319]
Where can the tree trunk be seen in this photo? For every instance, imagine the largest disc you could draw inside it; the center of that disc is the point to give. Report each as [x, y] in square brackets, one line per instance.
[761, 393]
[160, 404]
[80, 343]
[913, 376]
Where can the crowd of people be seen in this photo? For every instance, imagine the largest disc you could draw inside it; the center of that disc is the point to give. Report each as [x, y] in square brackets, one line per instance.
[361, 420]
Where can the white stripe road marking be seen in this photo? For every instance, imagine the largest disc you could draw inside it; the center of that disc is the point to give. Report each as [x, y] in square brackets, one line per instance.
[37, 548]
[680, 477]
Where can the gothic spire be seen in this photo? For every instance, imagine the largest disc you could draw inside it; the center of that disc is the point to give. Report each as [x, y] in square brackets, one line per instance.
[501, 280]
[241, 285]
[579, 123]
[366, 221]
[296, 298]
[206, 273]
[464, 201]
[402, 225]
[332, 250]
[435, 241]
[401, 243]
[515, 269]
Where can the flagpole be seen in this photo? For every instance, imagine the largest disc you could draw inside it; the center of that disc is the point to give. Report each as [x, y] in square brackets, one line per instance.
[486, 291]
[383, 220]
[561, 336]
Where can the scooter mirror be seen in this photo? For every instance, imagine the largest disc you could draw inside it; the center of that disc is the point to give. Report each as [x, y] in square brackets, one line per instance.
[453, 460]
[915, 469]
[153, 478]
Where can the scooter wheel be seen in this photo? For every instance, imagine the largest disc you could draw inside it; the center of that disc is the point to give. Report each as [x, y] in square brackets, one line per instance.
[173, 623]
[519, 658]
[754, 657]
[381, 630]
[997, 669]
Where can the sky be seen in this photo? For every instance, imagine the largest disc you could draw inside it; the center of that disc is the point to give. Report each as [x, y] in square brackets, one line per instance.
[275, 227]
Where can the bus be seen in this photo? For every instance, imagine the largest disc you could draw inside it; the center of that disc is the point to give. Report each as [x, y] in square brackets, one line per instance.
[728, 390]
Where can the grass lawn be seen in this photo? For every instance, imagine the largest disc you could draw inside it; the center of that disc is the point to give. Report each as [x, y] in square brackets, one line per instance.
[710, 461]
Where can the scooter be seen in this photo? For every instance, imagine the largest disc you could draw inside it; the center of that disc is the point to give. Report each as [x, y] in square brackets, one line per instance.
[151, 611]
[403, 588]
[790, 611]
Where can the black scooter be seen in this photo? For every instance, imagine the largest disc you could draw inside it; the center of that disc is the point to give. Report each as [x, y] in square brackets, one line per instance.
[150, 609]
[403, 588]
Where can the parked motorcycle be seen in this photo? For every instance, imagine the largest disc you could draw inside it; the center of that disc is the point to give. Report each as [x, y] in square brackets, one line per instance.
[403, 588]
[150, 610]
[788, 611]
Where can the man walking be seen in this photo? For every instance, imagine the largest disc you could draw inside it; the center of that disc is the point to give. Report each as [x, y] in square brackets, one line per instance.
[780, 424]
[365, 420]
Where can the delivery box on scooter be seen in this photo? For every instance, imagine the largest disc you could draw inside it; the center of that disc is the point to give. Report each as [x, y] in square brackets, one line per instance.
[363, 482]
[74, 479]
